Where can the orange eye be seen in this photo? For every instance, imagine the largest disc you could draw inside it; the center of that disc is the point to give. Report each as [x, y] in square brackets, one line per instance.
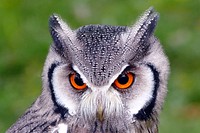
[77, 82]
[124, 80]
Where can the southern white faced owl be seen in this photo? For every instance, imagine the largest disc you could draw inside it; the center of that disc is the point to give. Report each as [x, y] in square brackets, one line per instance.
[100, 79]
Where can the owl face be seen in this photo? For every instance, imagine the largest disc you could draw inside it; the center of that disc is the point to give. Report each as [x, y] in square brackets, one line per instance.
[107, 78]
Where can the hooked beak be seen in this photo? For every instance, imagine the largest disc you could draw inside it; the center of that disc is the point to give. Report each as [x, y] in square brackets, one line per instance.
[99, 113]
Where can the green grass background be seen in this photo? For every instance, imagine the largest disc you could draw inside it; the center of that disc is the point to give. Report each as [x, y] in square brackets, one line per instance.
[25, 39]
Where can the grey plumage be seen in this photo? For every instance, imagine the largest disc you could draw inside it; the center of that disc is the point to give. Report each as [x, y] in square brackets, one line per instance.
[99, 54]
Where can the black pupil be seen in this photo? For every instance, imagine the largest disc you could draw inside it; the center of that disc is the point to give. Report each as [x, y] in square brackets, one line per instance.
[78, 80]
[123, 79]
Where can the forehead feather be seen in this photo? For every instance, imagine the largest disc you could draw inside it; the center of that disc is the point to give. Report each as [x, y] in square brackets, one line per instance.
[99, 57]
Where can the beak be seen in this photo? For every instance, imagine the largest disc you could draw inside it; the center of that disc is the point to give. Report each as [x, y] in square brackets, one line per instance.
[99, 114]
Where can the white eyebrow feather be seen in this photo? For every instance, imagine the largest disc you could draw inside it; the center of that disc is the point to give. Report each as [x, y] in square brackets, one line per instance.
[94, 87]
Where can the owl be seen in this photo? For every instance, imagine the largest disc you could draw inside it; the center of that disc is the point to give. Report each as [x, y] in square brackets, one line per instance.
[100, 79]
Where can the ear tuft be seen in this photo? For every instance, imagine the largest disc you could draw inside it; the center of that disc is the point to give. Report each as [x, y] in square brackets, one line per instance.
[136, 39]
[61, 34]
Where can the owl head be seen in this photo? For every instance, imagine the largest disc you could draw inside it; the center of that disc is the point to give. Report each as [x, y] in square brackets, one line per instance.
[107, 78]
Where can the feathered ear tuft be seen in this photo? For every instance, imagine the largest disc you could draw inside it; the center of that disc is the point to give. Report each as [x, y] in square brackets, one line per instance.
[62, 35]
[136, 39]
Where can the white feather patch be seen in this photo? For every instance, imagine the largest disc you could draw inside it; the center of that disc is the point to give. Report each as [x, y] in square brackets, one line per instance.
[63, 97]
[143, 91]
[61, 128]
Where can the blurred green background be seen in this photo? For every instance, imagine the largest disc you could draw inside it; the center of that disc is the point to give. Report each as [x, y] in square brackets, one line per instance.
[25, 39]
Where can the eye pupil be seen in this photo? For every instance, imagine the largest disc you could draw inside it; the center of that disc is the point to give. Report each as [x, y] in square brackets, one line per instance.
[123, 79]
[78, 80]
